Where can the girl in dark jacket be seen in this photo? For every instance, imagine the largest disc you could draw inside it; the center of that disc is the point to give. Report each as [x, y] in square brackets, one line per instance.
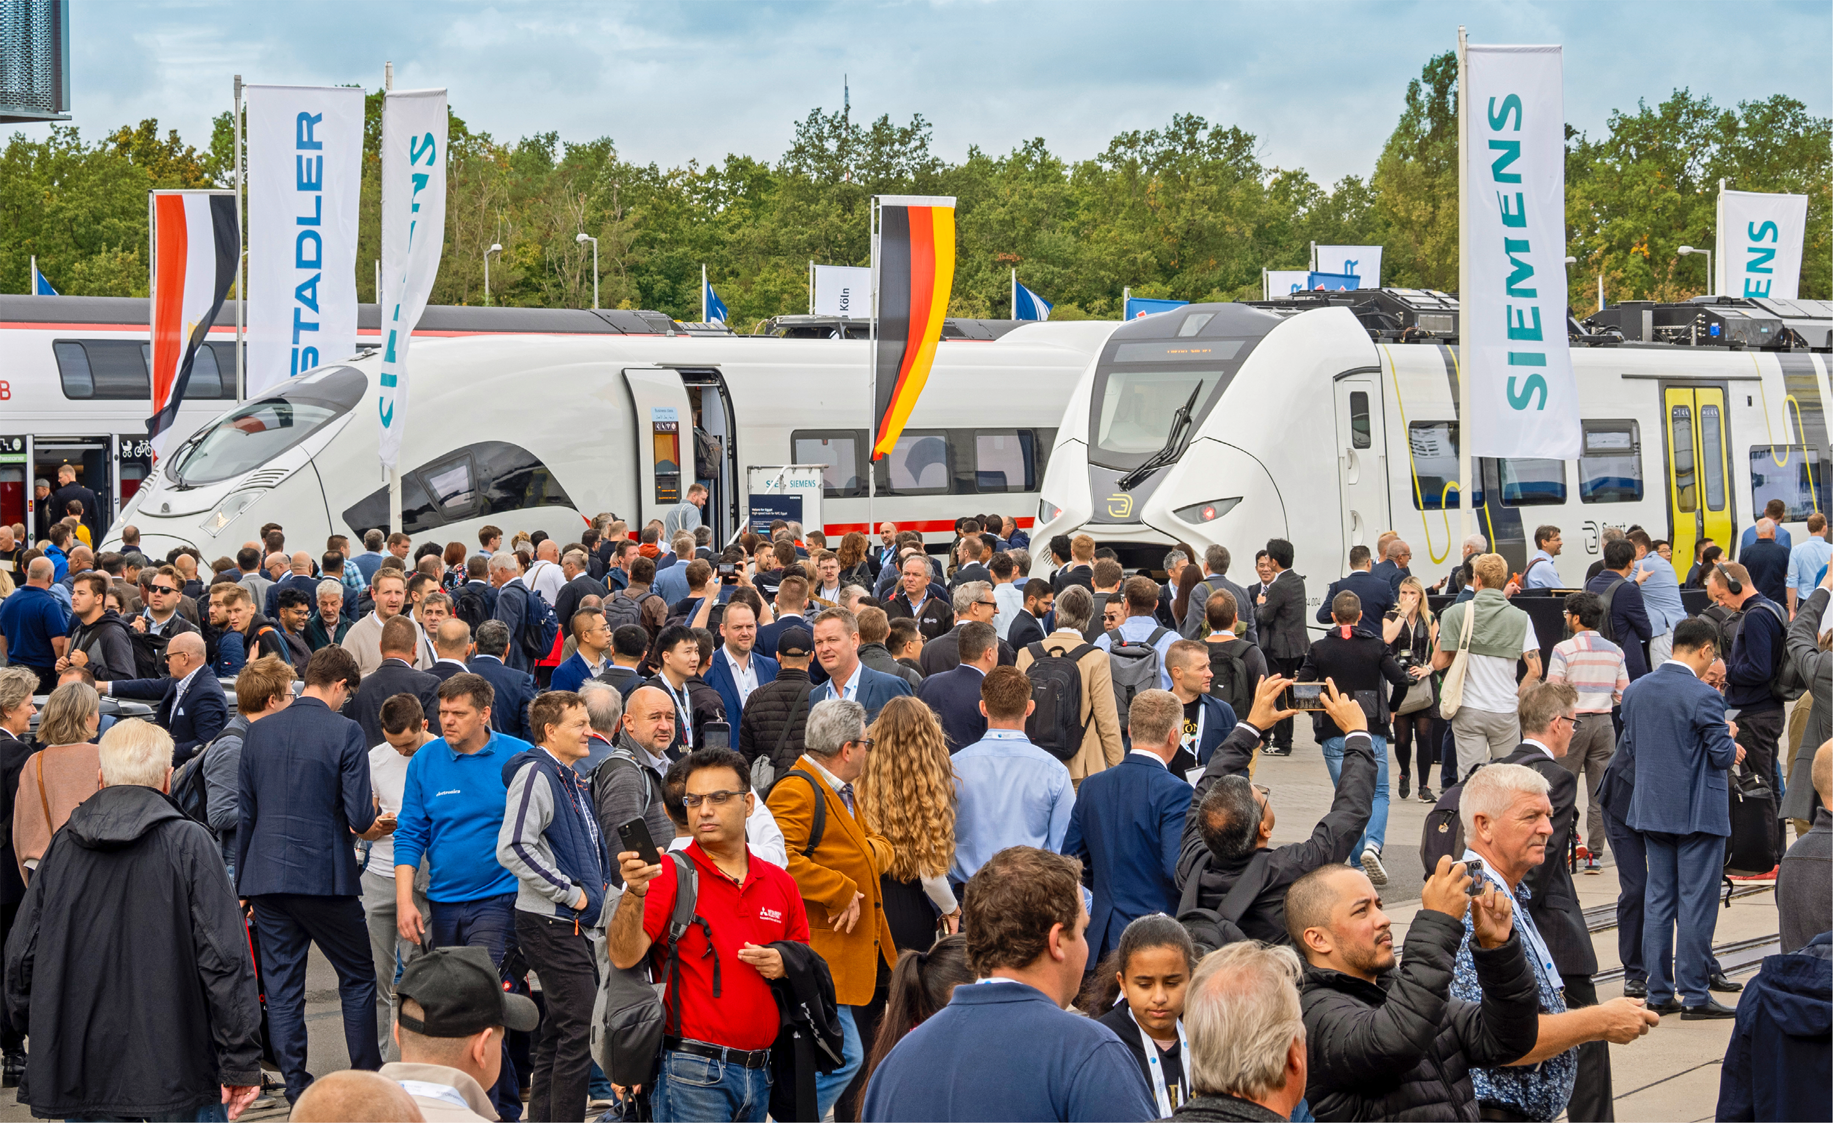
[1138, 992]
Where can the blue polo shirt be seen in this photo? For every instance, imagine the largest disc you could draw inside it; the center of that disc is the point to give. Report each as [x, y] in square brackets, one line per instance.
[451, 813]
[29, 619]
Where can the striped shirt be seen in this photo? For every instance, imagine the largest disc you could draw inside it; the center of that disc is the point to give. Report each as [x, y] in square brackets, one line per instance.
[1594, 667]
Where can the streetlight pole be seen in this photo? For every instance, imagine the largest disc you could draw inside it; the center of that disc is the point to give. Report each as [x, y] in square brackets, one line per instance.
[495, 247]
[1685, 250]
[583, 238]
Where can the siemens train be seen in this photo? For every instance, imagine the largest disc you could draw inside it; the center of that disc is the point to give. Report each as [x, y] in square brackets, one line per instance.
[1325, 419]
[540, 418]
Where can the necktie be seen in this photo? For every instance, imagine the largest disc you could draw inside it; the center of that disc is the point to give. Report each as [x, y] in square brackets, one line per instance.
[846, 797]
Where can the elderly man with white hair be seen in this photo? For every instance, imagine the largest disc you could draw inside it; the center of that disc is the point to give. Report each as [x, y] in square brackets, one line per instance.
[1508, 820]
[330, 623]
[1247, 1035]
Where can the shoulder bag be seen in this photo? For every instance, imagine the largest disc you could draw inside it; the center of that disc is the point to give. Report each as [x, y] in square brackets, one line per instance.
[1451, 696]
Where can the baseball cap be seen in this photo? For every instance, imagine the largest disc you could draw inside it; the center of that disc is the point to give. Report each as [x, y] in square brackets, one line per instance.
[460, 992]
[795, 641]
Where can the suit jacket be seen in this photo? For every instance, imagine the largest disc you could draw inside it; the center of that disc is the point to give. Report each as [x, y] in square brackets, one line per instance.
[1554, 901]
[1281, 620]
[1025, 629]
[1628, 618]
[514, 691]
[848, 861]
[1376, 594]
[955, 698]
[566, 602]
[443, 670]
[304, 582]
[393, 677]
[303, 786]
[875, 689]
[1125, 829]
[193, 721]
[1196, 619]
[1675, 725]
[719, 677]
[972, 571]
[767, 634]
[944, 653]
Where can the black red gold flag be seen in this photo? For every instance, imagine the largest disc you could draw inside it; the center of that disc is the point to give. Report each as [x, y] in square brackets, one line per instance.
[915, 261]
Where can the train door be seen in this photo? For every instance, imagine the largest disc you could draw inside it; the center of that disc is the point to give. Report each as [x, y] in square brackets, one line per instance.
[664, 440]
[713, 414]
[94, 461]
[1361, 460]
[1699, 482]
[15, 483]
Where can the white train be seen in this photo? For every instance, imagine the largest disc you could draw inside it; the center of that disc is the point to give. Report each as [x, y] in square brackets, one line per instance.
[540, 418]
[1328, 418]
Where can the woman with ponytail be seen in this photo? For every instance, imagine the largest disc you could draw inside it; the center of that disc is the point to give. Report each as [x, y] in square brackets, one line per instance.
[921, 984]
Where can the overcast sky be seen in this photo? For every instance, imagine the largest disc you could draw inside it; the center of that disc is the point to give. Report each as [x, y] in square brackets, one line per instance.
[1320, 84]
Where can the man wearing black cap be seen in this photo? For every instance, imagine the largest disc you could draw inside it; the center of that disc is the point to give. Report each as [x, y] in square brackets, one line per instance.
[454, 1013]
[777, 711]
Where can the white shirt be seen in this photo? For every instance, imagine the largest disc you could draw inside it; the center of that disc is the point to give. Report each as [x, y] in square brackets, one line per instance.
[1681, 665]
[1153, 757]
[546, 578]
[1489, 682]
[459, 663]
[744, 675]
[184, 684]
[1011, 600]
[388, 780]
[851, 690]
[1541, 747]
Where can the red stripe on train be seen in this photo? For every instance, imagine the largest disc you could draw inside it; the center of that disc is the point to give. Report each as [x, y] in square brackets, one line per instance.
[925, 526]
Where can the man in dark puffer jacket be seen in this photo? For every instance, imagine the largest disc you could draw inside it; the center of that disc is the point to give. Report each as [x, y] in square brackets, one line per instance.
[777, 711]
[1388, 1043]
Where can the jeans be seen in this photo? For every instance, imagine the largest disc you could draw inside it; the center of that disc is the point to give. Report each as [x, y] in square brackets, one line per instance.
[561, 953]
[389, 950]
[1376, 831]
[214, 1111]
[829, 1085]
[693, 1089]
[489, 922]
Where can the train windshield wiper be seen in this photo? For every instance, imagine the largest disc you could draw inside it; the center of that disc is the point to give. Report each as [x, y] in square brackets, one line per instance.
[1180, 422]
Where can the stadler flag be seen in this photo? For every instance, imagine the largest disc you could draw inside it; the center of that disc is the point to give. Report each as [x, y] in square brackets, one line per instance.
[1137, 306]
[305, 171]
[196, 241]
[1523, 399]
[1361, 262]
[413, 236]
[913, 254]
[1759, 244]
[1284, 282]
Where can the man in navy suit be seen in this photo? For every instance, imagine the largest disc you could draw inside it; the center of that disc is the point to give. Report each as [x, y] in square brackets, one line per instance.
[1676, 738]
[837, 647]
[191, 705]
[738, 668]
[791, 601]
[955, 695]
[514, 689]
[451, 647]
[1374, 591]
[1128, 821]
[395, 676]
[303, 789]
[1628, 615]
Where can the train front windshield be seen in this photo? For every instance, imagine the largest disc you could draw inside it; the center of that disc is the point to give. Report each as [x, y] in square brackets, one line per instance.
[267, 427]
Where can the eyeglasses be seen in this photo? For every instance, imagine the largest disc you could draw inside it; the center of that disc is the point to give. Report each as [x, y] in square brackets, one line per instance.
[866, 741]
[717, 799]
[987, 603]
[1577, 723]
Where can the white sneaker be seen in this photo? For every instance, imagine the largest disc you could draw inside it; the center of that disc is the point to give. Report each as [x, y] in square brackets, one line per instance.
[1371, 865]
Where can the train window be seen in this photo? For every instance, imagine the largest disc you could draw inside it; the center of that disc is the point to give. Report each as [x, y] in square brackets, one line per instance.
[1610, 464]
[838, 451]
[1530, 481]
[225, 365]
[452, 484]
[1680, 440]
[1433, 445]
[206, 376]
[511, 479]
[116, 370]
[1790, 473]
[487, 478]
[266, 427]
[1137, 405]
[1359, 434]
[1005, 460]
[1712, 457]
[73, 370]
[919, 462]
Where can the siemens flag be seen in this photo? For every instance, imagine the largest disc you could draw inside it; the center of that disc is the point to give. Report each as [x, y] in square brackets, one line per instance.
[305, 156]
[1759, 244]
[1523, 398]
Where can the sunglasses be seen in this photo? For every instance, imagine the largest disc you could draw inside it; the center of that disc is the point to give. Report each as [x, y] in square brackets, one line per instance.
[162, 590]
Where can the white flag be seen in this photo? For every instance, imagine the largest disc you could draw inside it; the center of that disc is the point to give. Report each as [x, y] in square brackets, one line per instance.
[843, 290]
[305, 172]
[1363, 262]
[1285, 282]
[1523, 398]
[413, 237]
[1759, 244]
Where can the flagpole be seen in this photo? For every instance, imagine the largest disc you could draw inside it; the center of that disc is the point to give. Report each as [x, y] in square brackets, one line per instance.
[703, 292]
[872, 382]
[394, 472]
[1015, 293]
[1464, 461]
[31, 281]
[811, 286]
[241, 256]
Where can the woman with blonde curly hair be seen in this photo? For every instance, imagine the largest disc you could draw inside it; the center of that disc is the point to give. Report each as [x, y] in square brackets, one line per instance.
[907, 797]
[65, 771]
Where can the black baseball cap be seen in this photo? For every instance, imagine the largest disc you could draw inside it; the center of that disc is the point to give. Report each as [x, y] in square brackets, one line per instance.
[795, 641]
[460, 992]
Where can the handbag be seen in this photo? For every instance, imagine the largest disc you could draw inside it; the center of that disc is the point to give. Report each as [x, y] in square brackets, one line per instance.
[1419, 697]
[1451, 696]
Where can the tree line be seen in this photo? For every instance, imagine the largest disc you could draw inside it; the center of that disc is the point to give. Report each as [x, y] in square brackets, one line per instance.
[1188, 211]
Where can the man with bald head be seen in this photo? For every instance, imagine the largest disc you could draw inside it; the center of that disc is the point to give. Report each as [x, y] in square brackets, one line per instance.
[299, 578]
[451, 647]
[627, 781]
[545, 576]
[32, 627]
[192, 707]
[356, 1096]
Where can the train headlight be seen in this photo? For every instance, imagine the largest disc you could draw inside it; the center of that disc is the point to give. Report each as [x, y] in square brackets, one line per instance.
[232, 506]
[1047, 511]
[1199, 513]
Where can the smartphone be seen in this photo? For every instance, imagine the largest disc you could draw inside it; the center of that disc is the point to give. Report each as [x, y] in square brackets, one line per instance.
[715, 735]
[1307, 696]
[634, 836]
[728, 573]
[1478, 882]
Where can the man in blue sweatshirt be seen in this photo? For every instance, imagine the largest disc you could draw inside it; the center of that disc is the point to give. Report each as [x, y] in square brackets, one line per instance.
[1026, 940]
[451, 813]
[1755, 660]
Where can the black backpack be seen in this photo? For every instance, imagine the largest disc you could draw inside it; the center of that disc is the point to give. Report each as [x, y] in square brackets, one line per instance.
[470, 607]
[1056, 724]
[1231, 683]
[1443, 834]
[1787, 685]
[707, 450]
[1606, 628]
[149, 651]
[627, 1040]
[1218, 927]
[818, 828]
[189, 788]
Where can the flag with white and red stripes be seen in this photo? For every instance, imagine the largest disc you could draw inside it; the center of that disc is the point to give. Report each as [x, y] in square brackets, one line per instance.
[196, 243]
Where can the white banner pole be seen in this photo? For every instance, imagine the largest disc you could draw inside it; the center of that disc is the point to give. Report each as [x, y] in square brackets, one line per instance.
[1464, 462]
[241, 257]
[872, 385]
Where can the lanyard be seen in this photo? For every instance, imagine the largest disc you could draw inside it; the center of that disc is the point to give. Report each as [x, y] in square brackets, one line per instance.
[1155, 1066]
[1530, 935]
[1196, 740]
[681, 710]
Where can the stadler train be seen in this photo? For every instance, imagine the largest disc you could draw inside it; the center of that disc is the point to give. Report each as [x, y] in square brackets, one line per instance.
[1325, 419]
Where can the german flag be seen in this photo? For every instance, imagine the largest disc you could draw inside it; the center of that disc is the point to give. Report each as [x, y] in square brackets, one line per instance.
[916, 270]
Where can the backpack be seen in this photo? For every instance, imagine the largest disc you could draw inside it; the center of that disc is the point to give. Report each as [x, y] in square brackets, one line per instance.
[189, 788]
[1055, 725]
[623, 609]
[1134, 666]
[470, 607]
[707, 449]
[1443, 834]
[1787, 685]
[1218, 927]
[627, 1040]
[819, 827]
[1231, 683]
[618, 752]
[540, 627]
[1606, 627]
[149, 652]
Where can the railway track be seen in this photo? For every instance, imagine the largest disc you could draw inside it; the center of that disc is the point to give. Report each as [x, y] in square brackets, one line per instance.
[1736, 956]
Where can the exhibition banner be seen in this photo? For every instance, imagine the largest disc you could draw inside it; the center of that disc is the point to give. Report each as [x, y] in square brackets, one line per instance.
[413, 238]
[913, 252]
[843, 290]
[1284, 282]
[1759, 244]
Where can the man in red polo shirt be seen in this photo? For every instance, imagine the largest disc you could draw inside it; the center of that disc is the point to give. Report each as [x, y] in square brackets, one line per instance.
[719, 1066]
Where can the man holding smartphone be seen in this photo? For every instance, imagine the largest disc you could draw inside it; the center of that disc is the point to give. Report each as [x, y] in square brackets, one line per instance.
[404, 732]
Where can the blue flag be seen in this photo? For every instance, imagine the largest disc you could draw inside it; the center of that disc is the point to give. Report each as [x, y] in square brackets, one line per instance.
[1334, 282]
[1138, 306]
[40, 286]
[1031, 306]
[715, 307]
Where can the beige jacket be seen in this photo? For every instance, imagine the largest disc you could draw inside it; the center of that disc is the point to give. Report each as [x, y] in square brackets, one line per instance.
[1101, 745]
[440, 1081]
[364, 642]
[52, 783]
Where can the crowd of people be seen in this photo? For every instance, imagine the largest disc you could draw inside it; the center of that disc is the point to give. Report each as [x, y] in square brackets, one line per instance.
[873, 817]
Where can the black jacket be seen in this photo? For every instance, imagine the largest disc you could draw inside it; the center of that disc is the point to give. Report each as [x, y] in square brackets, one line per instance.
[1280, 622]
[1402, 1048]
[773, 722]
[108, 644]
[514, 691]
[393, 677]
[566, 601]
[13, 755]
[1356, 663]
[1223, 1109]
[129, 921]
[1025, 629]
[944, 653]
[809, 1039]
[1554, 904]
[878, 657]
[1330, 843]
[934, 619]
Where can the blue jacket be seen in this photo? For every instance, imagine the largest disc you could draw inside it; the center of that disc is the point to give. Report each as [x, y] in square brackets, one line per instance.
[875, 689]
[1778, 1065]
[193, 721]
[574, 673]
[1376, 593]
[955, 698]
[550, 841]
[1126, 827]
[512, 610]
[768, 633]
[1750, 665]
[302, 787]
[1219, 720]
[514, 691]
[1628, 618]
[1679, 748]
[719, 677]
[452, 812]
[305, 583]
